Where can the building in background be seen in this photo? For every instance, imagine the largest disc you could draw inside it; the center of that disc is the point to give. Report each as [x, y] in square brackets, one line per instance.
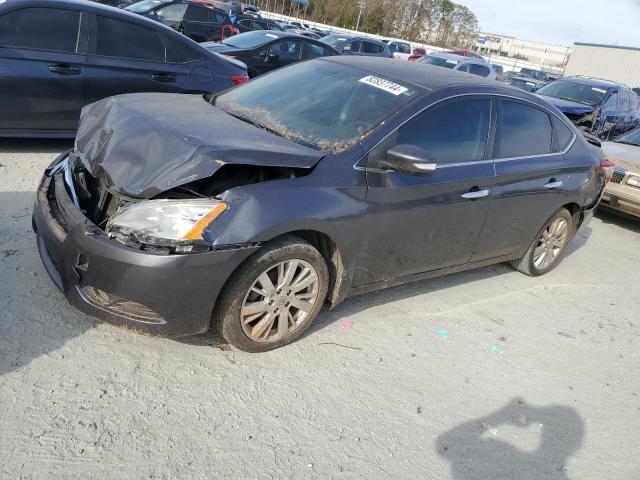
[540, 54]
[619, 64]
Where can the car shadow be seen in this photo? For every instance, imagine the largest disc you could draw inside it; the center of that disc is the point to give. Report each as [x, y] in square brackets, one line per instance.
[519, 441]
[35, 319]
[613, 217]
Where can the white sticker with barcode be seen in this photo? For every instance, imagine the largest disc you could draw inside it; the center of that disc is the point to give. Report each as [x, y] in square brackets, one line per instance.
[384, 84]
[599, 90]
[271, 35]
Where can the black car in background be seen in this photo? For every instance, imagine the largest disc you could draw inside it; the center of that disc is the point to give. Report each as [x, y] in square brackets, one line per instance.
[525, 83]
[265, 51]
[201, 23]
[322, 180]
[248, 23]
[48, 74]
[360, 46]
[600, 107]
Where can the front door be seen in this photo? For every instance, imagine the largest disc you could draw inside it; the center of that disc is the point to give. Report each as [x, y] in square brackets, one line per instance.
[279, 54]
[41, 72]
[419, 223]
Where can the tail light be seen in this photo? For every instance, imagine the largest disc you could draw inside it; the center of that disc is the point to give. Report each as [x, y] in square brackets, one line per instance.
[239, 79]
[607, 167]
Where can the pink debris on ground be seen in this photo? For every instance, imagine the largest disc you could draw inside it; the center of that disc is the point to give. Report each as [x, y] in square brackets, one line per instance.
[346, 324]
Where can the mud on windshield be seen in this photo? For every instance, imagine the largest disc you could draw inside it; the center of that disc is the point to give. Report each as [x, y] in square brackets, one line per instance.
[327, 106]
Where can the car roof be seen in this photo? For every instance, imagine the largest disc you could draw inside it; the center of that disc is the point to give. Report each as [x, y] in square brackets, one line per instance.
[428, 77]
[454, 56]
[358, 37]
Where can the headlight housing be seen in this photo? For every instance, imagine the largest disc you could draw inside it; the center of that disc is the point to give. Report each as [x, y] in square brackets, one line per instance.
[165, 223]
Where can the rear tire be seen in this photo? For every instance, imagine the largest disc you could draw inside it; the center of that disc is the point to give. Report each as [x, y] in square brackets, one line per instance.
[549, 246]
[273, 297]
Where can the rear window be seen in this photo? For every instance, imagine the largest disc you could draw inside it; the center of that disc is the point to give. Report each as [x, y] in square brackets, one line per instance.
[41, 29]
[438, 61]
[523, 131]
[347, 103]
[335, 41]
[250, 40]
[479, 70]
[144, 6]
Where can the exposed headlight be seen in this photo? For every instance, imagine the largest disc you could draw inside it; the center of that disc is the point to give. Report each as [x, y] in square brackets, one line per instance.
[633, 181]
[166, 222]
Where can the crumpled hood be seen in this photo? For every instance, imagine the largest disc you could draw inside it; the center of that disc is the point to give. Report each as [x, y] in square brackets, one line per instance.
[566, 106]
[143, 144]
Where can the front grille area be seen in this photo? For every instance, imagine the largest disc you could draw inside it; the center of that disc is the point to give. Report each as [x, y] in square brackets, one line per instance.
[618, 175]
[97, 203]
[122, 306]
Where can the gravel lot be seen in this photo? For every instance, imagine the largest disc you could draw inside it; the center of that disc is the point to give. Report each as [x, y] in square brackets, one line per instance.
[481, 375]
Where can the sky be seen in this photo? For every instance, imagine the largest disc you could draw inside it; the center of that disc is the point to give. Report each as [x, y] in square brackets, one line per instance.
[562, 22]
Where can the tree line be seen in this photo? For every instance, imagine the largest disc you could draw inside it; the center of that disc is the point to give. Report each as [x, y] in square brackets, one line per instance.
[439, 22]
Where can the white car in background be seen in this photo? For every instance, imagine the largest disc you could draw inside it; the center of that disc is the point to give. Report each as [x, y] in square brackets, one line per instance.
[470, 65]
[399, 48]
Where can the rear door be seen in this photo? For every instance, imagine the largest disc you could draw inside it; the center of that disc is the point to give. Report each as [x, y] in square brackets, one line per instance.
[421, 223]
[200, 24]
[42, 69]
[126, 58]
[531, 174]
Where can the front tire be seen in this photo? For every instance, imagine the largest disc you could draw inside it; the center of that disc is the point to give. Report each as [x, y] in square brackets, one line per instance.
[549, 246]
[273, 297]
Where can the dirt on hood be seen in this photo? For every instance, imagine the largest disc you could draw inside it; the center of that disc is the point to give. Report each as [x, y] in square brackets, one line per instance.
[143, 144]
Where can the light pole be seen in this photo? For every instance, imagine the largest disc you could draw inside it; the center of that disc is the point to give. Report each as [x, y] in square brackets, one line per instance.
[360, 7]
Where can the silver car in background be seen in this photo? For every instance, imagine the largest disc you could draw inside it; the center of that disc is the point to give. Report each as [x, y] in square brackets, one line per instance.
[462, 64]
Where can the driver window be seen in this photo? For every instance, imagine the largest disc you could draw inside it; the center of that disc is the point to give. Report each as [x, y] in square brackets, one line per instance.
[287, 49]
[172, 13]
[453, 132]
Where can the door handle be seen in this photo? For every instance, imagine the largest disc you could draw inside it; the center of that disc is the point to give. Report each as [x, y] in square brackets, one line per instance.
[63, 69]
[474, 194]
[553, 184]
[164, 77]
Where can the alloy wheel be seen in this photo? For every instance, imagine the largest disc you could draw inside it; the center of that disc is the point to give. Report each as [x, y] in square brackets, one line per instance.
[551, 243]
[279, 301]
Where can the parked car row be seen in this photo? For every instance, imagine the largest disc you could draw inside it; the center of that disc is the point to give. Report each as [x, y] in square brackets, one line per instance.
[49, 74]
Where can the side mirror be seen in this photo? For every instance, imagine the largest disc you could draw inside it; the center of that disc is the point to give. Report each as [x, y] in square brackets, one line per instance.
[409, 159]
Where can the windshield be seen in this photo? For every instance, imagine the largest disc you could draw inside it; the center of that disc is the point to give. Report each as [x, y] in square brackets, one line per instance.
[630, 138]
[438, 61]
[573, 92]
[249, 40]
[335, 41]
[321, 104]
[144, 6]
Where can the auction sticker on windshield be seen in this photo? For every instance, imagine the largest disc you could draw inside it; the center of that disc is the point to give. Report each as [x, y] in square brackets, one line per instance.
[384, 84]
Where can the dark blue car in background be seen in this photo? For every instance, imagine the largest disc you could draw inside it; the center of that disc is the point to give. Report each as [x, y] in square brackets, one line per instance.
[600, 107]
[58, 55]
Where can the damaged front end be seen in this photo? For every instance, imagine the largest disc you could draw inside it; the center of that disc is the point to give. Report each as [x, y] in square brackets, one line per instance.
[154, 184]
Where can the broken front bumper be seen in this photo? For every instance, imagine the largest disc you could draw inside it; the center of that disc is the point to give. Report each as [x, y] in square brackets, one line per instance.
[165, 295]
